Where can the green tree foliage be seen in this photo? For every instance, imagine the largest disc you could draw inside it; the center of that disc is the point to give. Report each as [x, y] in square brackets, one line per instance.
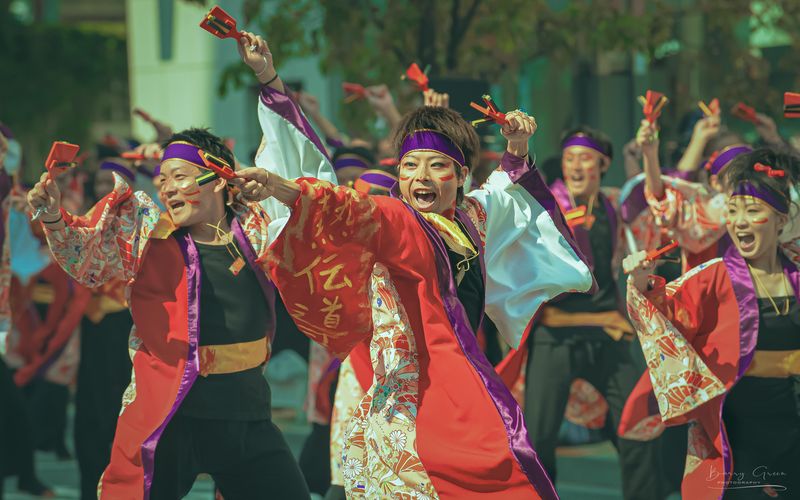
[56, 81]
[372, 41]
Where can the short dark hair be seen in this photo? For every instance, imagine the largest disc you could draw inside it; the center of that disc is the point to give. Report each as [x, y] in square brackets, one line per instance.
[600, 138]
[445, 121]
[723, 139]
[741, 170]
[205, 140]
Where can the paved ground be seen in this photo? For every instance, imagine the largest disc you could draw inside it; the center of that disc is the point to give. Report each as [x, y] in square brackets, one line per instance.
[585, 472]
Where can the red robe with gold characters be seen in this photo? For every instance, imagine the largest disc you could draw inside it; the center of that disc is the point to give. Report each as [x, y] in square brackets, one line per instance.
[437, 421]
[698, 335]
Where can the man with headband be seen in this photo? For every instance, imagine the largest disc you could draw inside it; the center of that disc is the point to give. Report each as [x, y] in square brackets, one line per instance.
[202, 305]
[406, 274]
[580, 361]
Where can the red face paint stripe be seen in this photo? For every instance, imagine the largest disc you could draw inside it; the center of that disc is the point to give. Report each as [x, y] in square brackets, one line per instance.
[446, 178]
[404, 177]
[761, 221]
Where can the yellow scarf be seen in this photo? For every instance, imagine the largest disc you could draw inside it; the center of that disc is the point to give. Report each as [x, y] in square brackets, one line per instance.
[455, 239]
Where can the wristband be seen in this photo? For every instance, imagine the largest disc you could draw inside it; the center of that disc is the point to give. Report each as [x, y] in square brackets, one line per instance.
[272, 79]
[47, 222]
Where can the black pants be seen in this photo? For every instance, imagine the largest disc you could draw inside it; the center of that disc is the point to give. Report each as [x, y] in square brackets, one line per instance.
[47, 404]
[16, 441]
[247, 460]
[315, 459]
[612, 369]
[103, 374]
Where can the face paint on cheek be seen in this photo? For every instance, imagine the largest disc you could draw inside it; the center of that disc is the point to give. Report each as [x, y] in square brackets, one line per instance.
[760, 221]
[447, 177]
[404, 178]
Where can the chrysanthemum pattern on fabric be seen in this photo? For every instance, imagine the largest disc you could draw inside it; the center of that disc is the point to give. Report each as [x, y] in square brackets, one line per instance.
[380, 459]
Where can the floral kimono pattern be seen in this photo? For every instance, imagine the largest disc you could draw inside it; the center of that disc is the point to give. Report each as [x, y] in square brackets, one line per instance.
[698, 335]
[395, 444]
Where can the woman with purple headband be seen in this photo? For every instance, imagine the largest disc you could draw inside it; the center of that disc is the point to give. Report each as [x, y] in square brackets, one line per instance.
[691, 213]
[406, 275]
[722, 345]
[581, 359]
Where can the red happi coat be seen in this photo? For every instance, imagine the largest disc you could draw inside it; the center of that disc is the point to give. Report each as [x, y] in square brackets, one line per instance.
[439, 423]
[698, 335]
[128, 238]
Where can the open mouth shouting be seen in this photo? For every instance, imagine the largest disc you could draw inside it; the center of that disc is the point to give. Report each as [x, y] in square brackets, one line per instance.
[424, 198]
[746, 241]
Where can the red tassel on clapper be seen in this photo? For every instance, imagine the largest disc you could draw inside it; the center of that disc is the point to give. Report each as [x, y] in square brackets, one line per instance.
[353, 91]
[490, 112]
[744, 112]
[652, 104]
[417, 76]
[791, 105]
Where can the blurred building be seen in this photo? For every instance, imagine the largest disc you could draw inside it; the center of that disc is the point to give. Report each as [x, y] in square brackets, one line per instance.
[175, 70]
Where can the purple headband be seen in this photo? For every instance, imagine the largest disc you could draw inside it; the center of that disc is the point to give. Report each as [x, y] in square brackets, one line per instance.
[720, 161]
[376, 178]
[118, 168]
[182, 151]
[773, 199]
[582, 140]
[429, 140]
[350, 160]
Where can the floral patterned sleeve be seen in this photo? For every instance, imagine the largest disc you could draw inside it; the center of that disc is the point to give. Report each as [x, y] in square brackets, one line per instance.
[106, 243]
[674, 334]
[690, 213]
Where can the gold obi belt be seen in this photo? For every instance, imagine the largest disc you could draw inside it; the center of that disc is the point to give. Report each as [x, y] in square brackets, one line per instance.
[774, 364]
[232, 358]
[100, 305]
[43, 293]
[612, 322]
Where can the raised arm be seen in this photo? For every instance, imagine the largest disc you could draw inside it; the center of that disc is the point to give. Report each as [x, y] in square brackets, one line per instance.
[383, 104]
[310, 105]
[291, 149]
[647, 139]
[704, 130]
[531, 256]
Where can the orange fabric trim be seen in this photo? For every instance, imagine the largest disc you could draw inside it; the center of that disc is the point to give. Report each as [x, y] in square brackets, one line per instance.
[612, 322]
[774, 364]
[232, 358]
